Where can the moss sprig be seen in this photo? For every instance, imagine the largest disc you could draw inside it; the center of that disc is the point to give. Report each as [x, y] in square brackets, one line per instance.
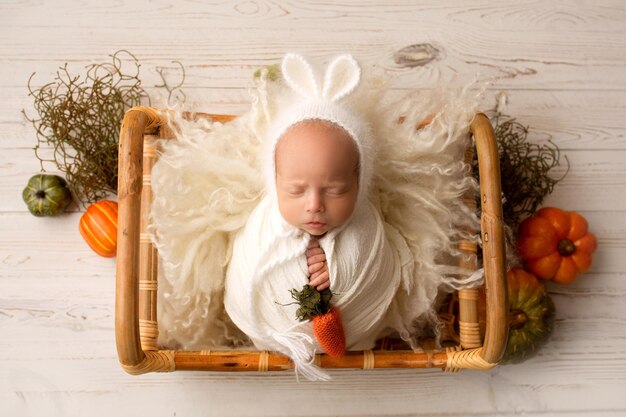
[173, 90]
[79, 119]
[525, 169]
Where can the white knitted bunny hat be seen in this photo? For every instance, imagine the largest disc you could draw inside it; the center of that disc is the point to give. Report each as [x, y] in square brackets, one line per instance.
[329, 103]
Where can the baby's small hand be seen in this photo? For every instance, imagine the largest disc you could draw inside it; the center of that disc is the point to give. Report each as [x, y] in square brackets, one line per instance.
[316, 260]
[315, 256]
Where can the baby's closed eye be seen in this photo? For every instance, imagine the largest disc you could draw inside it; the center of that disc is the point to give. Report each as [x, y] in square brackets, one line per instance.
[337, 190]
[295, 191]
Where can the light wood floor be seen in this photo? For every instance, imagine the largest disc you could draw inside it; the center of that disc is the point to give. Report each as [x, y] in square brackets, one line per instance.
[562, 65]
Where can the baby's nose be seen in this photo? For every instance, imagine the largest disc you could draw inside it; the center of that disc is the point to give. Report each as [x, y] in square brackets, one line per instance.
[315, 202]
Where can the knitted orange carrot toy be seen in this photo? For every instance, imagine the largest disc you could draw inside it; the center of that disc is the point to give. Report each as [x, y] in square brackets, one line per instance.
[327, 324]
[328, 330]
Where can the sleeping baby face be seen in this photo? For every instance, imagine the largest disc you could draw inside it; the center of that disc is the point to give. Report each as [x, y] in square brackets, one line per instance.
[317, 175]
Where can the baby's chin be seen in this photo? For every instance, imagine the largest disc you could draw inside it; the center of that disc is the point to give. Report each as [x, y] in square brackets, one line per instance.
[315, 231]
[318, 235]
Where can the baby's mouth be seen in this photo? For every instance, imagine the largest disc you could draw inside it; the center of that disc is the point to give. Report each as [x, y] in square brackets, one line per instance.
[316, 225]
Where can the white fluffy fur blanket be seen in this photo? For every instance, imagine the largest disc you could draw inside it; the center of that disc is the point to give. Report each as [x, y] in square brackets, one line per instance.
[208, 181]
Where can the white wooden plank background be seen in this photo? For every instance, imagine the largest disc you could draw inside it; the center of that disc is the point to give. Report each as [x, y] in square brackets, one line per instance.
[563, 67]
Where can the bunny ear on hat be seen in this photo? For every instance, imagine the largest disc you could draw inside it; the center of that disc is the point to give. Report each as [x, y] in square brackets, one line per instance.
[342, 76]
[300, 76]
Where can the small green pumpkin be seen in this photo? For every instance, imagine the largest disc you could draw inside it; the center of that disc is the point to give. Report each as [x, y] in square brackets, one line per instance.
[531, 316]
[46, 195]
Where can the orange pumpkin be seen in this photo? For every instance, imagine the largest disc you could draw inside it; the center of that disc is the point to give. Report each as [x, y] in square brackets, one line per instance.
[98, 226]
[556, 245]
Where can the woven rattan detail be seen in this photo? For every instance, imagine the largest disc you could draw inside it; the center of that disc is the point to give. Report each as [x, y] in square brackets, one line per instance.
[154, 361]
[466, 245]
[450, 351]
[470, 334]
[369, 361]
[264, 361]
[154, 118]
[149, 150]
[149, 332]
[469, 329]
[466, 359]
[471, 295]
[144, 238]
[148, 285]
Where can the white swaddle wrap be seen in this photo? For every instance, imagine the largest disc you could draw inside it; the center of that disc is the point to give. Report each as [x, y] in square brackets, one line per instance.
[365, 265]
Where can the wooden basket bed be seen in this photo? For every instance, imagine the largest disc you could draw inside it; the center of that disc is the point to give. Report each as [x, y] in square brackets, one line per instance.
[477, 345]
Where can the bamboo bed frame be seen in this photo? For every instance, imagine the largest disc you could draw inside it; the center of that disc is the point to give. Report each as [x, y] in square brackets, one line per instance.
[136, 327]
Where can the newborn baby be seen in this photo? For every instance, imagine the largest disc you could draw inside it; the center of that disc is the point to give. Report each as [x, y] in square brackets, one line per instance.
[316, 225]
[317, 165]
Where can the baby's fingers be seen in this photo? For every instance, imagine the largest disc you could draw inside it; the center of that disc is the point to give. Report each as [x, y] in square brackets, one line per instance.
[313, 251]
[319, 280]
[318, 273]
[323, 286]
[316, 267]
[311, 260]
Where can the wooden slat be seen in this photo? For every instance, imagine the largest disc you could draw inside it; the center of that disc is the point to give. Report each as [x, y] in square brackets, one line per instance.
[492, 233]
[127, 271]
[469, 331]
[148, 255]
[248, 361]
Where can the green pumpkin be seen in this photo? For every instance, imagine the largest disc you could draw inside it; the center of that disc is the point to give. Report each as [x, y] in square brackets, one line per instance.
[531, 316]
[46, 195]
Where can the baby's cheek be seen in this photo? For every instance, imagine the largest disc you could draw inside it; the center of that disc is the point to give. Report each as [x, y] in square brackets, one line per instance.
[289, 210]
[344, 209]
